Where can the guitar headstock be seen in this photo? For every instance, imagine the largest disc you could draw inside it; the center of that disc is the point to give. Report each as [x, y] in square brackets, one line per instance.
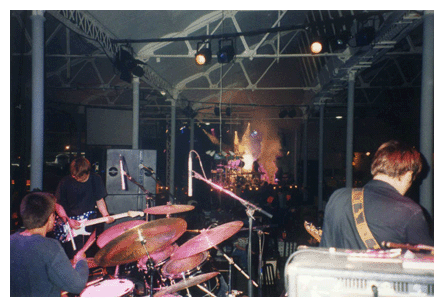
[135, 213]
[313, 231]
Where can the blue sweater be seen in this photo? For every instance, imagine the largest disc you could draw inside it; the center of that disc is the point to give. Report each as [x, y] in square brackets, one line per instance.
[40, 267]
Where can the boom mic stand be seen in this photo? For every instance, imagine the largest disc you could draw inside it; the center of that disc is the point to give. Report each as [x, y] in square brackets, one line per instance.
[148, 195]
[250, 209]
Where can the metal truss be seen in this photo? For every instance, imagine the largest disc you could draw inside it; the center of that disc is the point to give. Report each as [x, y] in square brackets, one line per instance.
[84, 24]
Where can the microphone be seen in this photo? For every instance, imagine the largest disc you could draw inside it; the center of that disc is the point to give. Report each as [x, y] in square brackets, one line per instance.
[190, 178]
[122, 174]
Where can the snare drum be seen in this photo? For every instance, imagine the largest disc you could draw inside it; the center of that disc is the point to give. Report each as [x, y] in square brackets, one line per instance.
[110, 288]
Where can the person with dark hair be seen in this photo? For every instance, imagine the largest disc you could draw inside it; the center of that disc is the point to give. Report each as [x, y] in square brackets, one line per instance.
[389, 214]
[78, 195]
[38, 265]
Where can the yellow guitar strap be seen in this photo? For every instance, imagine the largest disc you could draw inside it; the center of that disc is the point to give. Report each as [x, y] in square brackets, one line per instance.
[361, 222]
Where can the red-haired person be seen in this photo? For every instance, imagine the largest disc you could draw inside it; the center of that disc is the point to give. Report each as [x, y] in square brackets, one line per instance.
[390, 215]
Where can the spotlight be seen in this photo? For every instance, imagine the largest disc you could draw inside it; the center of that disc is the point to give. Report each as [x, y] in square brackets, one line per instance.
[226, 53]
[128, 66]
[203, 54]
[217, 111]
[316, 47]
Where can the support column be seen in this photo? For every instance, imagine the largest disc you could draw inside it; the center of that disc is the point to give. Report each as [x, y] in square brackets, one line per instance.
[37, 121]
[349, 137]
[321, 157]
[172, 149]
[136, 108]
[426, 113]
[304, 146]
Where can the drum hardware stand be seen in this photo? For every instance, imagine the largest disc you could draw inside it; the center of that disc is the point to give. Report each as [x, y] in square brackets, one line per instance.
[260, 234]
[250, 209]
[149, 262]
[231, 262]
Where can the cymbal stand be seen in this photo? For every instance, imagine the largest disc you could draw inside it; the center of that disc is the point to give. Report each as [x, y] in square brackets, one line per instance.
[250, 209]
[188, 291]
[149, 262]
[231, 262]
[261, 235]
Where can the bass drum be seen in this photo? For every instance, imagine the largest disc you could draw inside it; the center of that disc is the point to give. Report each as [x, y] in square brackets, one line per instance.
[110, 288]
[174, 271]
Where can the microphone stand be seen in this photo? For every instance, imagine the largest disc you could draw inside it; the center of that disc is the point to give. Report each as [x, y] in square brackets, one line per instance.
[250, 209]
[148, 195]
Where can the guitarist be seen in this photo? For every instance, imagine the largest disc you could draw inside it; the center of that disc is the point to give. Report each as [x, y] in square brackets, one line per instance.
[79, 195]
[390, 215]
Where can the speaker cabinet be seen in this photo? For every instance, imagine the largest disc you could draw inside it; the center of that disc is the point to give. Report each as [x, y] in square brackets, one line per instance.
[132, 197]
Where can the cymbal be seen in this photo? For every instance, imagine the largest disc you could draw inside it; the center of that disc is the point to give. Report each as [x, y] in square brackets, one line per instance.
[115, 231]
[128, 247]
[168, 209]
[186, 283]
[207, 239]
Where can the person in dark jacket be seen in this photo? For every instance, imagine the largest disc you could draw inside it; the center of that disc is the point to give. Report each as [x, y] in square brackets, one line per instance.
[391, 216]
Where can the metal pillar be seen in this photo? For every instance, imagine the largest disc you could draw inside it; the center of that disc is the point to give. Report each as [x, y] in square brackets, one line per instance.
[321, 157]
[426, 113]
[172, 148]
[349, 137]
[305, 141]
[37, 122]
[136, 107]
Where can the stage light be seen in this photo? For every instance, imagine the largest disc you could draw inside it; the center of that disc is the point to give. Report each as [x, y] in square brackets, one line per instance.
[128, 65]
[225, 53]
[203, 55]
[216, 111]
[228, 111]
[316, 47]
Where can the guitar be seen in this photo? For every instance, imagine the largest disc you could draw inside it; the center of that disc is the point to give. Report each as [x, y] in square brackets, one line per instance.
[313, 231]
[64, 233]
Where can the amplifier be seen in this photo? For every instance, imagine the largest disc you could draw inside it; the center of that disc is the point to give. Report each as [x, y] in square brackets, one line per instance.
[312, 271]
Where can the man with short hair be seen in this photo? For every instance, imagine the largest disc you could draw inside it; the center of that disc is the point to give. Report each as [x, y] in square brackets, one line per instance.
[38, 265]
[78, 195]
[391, 216]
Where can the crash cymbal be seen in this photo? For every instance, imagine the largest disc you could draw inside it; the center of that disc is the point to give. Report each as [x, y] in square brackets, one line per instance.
[207, 239]
[186, 283]
[115, 231]
[168, 209]
[128, 246]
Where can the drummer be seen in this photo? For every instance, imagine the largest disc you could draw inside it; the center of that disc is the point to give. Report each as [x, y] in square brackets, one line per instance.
[38, 265]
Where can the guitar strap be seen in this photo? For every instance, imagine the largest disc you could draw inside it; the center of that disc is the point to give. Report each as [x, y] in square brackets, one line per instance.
[360, 221]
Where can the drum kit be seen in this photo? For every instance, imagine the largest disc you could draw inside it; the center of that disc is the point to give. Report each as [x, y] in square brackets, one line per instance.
[145, 254]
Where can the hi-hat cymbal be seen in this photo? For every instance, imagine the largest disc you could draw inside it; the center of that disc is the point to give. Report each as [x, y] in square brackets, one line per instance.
[128, 246]
[186, 283]
[207, 239]
[168, 209]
